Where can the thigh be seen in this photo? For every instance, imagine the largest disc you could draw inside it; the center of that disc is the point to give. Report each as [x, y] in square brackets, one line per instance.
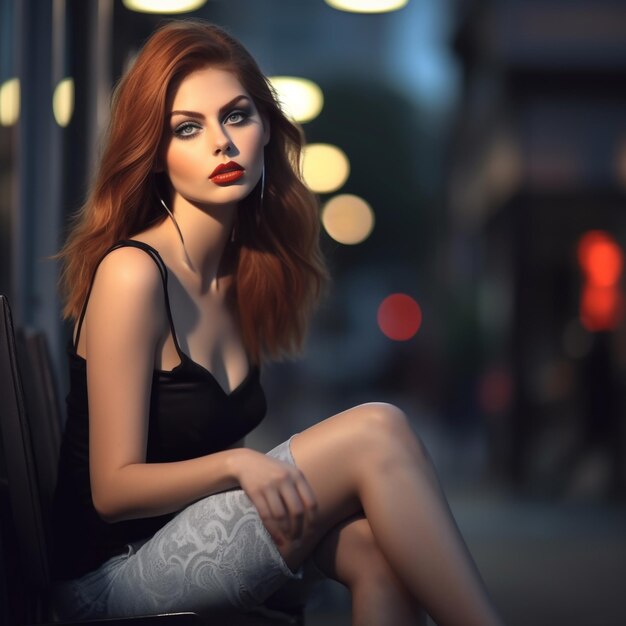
[334, 456]
[215, 554]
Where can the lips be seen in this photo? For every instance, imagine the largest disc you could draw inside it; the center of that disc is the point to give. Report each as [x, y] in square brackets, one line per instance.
[227, 173]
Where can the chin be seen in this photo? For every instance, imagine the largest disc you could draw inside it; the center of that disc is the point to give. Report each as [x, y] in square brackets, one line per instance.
[228, 196]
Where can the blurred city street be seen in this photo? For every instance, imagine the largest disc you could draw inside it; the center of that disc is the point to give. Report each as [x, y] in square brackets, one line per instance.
[469, 162]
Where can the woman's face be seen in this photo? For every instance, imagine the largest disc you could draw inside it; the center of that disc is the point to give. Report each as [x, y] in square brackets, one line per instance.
[213, 121]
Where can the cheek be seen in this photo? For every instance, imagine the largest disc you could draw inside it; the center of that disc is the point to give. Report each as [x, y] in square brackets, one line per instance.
[178, 162]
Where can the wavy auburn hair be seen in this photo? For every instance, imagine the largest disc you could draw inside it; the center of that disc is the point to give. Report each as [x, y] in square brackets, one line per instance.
[278, 270]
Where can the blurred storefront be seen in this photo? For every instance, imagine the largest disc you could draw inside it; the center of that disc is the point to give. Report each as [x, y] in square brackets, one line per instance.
[538, 162]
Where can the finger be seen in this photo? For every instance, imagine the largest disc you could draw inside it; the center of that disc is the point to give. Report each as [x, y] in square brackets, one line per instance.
[295, 507]
[267, 518]
[278, 510]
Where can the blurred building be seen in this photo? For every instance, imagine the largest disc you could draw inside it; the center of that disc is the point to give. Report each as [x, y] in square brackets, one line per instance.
[538, 160]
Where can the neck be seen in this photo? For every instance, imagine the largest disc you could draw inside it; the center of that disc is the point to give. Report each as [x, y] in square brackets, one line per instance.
[205, 233]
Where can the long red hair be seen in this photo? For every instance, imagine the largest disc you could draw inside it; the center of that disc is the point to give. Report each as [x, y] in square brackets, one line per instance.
[278, 269]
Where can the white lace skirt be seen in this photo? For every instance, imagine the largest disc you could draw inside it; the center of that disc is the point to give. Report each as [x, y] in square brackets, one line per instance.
[214, 554]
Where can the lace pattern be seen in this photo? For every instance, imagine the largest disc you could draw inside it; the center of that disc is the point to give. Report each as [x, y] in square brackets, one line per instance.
[214, 554]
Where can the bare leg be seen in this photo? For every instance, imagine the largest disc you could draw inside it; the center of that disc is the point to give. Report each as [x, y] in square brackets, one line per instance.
[368, 458]
[350, 555]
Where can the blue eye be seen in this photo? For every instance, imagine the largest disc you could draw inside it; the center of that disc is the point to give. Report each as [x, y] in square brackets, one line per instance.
[186, 130]
[239, 115]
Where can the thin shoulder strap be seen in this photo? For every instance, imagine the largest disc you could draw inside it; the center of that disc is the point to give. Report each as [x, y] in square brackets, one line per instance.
[163, 271]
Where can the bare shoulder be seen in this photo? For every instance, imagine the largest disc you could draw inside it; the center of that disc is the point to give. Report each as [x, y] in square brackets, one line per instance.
[127, 291]
[129, 271]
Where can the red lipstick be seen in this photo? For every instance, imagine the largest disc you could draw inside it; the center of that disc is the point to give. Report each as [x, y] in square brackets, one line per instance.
[226, 173]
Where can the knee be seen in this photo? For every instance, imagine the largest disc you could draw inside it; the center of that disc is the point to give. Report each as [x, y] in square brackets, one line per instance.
[387, 420]
[390, 430]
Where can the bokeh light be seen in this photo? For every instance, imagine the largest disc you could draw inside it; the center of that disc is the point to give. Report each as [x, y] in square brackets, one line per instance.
[600, 257]
[300, 98]
[63, 102]
[367, 6]
[163, 6]
[602, 261]
[325, 168]
[399, 317]
[9, 102]
[348, 219]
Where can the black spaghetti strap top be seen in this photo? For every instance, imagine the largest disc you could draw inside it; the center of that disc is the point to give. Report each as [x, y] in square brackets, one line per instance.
[190, 416]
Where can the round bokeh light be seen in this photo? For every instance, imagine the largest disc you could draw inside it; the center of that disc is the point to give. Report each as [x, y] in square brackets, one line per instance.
[63, 102]
[399, 317]
[348, 219]
[367, 6]
[163, 6]
[9, 102]
[600, 257]
[325, 168]
[301, 99]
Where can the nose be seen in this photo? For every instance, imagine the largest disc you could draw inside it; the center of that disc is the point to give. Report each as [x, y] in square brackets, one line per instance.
[222, 143]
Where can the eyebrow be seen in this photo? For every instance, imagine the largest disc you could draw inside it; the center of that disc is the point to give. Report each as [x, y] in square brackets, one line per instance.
[221, 111]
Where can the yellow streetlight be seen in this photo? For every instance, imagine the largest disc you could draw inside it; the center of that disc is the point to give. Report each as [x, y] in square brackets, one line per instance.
[348, 219]
[325, 168]
[367, 6]
[163, 6]
[301, 99]
[63, 102]
[9, 102]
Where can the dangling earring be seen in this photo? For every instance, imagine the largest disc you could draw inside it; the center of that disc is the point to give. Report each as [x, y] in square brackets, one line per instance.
[180, 234]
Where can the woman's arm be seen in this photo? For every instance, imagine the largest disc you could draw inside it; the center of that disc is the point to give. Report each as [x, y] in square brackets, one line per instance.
[125, 319]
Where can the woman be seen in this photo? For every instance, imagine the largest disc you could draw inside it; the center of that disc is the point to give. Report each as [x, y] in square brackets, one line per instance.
[196, 257]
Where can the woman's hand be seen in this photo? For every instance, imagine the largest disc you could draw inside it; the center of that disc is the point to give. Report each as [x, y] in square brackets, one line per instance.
[280, 492]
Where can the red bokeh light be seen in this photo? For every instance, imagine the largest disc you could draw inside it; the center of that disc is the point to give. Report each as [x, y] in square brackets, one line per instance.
[602, 261]
[600, 258]
[399, 317]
